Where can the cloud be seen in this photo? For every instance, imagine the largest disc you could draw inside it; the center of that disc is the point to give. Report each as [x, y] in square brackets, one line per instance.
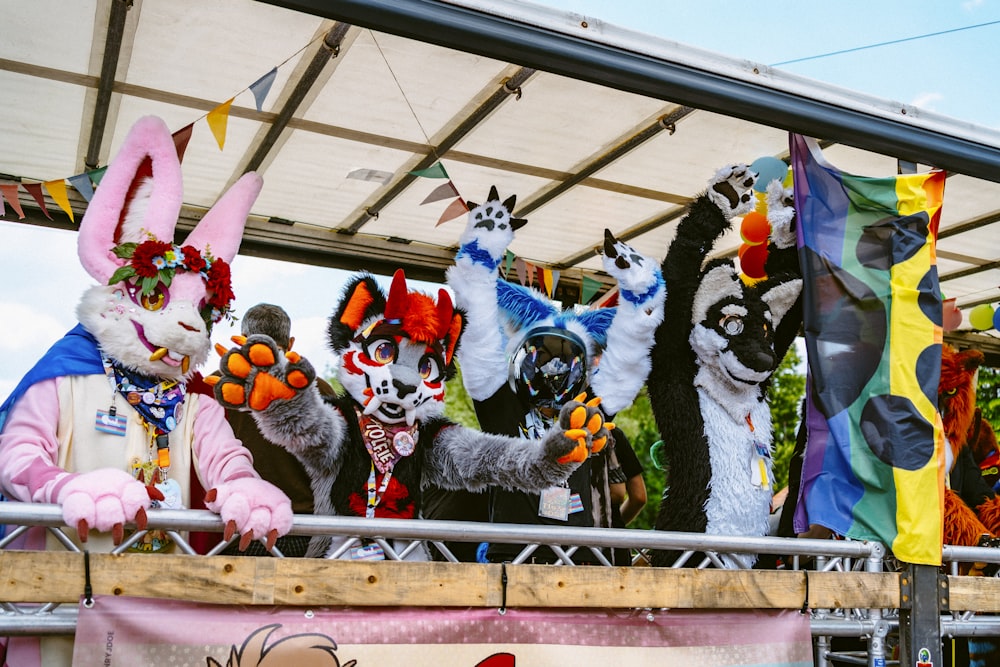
[971, 5]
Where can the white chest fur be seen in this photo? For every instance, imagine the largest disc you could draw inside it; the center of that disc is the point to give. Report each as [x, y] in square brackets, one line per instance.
[736, 505]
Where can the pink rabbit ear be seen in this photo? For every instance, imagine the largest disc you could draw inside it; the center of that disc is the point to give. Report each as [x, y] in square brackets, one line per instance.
[221, 230]
[142, 191]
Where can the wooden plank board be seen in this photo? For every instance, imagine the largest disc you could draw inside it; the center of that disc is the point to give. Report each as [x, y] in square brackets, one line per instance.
[60, 577]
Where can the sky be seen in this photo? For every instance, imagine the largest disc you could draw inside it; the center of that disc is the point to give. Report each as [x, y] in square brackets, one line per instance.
[931, 56]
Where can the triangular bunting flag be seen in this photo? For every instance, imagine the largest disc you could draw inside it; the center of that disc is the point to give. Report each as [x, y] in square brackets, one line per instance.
[540, 272]
[529, 271]
[436, 170]
[83, 185]
[609, 300]
[552, 276]
[455, 209]
[218, 119]
[588, 288]
[57, 190]
[181, 138]
[522, 271]
[97, 174]
[262, 86]
[35, 190]
[445, 191]
[507, 261]
[9, 191]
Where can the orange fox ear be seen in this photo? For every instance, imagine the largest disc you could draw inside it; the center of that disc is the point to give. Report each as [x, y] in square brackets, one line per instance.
[457, 321]
[354, 311]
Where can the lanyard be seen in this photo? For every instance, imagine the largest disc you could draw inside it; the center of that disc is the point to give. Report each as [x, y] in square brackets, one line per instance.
[374, 498]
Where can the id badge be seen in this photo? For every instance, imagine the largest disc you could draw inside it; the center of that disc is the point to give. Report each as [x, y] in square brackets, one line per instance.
[758, 472]
[367, 552]
[553, 503]
[172, 499]
[105, 422]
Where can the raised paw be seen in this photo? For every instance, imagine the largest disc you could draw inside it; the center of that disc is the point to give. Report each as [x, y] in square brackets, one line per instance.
[583, 424]
[731, 189]
[781, 214]
[257, 373]
[490, 230]
[637, 275]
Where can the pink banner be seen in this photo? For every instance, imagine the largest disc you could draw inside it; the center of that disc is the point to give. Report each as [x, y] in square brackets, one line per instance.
[135, 631]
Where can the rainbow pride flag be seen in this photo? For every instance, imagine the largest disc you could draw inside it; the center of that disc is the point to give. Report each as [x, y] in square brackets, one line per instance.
[873, 467]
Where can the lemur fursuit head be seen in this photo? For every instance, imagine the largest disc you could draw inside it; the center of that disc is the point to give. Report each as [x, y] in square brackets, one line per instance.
[720, 341]
[372, 450]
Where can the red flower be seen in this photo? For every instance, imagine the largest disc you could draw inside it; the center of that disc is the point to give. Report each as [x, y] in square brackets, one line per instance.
[219, 285]
[145, 252]
[193, 259]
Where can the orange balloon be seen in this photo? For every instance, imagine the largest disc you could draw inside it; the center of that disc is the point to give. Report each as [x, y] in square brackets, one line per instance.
[755, 228]
[752, 261]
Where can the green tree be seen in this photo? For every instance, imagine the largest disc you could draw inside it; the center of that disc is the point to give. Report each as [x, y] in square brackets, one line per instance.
[788, 387]
[988, 394]
[458, 404]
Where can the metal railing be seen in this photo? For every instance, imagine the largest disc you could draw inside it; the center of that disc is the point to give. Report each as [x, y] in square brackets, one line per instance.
[401, 538]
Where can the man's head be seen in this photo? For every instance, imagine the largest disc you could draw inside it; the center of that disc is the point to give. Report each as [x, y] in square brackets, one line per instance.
[549, 367]
[270, 320]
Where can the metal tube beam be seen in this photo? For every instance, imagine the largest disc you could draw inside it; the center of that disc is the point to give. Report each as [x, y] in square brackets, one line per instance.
[513, 41]
[109, 69]
[468, 124]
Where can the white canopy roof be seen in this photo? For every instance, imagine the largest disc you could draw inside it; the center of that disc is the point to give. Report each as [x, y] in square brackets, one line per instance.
[591, 126]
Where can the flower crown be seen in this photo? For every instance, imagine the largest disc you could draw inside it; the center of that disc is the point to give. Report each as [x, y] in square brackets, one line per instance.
[154, 262]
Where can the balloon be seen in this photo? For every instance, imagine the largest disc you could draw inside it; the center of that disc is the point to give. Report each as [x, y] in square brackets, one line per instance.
[761, 204]
[952, 318]
[767, 169]
[981, 317]
[755, 228]
[996, 320]
[752, 261]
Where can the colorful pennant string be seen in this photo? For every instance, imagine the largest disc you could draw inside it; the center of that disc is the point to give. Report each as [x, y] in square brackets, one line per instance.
[57, 190]
[262, 86]
[10, 194]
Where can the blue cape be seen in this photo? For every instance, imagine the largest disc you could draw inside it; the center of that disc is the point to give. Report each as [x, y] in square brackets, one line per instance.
[76, 353]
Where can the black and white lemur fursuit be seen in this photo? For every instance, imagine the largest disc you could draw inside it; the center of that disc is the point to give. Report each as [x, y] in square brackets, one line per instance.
[719, 343]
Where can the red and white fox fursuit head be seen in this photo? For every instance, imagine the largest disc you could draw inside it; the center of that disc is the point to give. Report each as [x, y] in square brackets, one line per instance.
[396, 352]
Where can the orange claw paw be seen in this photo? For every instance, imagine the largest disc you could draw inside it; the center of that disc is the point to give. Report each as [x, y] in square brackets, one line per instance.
[220, 350]
[261, 355]
[239, 340]
[578, 455]
[233, 394]
[212, 380]
[298, 379]
[598, 444]
[580, 398]
[578, 418]
[594, 402]
[293, 357]
[595, 423]
[236, 364]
